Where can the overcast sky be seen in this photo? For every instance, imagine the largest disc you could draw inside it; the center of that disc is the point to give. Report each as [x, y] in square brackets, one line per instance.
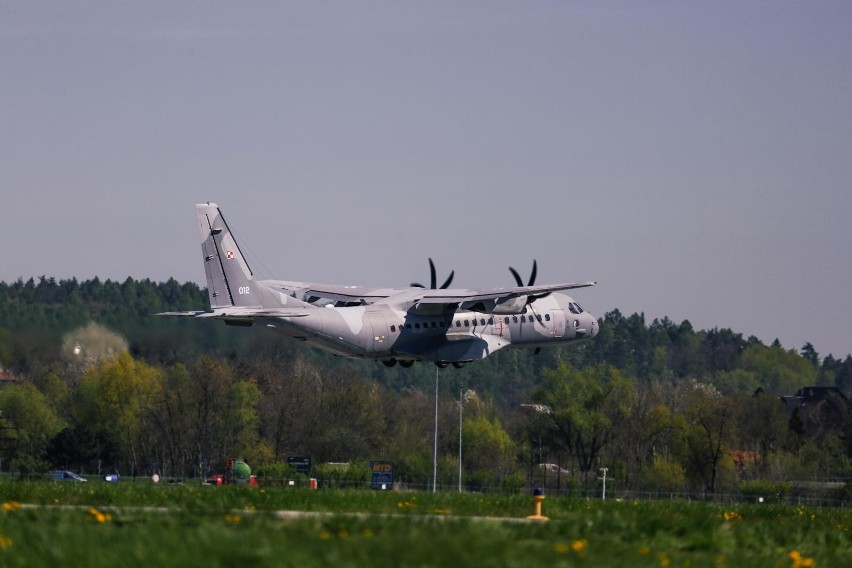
[695, 158]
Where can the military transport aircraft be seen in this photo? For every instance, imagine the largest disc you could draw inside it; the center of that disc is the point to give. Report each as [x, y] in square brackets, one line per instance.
[393, 325]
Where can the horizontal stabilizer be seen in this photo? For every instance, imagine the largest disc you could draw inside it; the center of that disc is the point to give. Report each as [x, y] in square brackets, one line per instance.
[243, 313]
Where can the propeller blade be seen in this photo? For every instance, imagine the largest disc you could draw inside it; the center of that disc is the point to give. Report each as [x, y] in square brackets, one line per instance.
[449, 280]
[433, 278]
[533, 274]
[517, 276]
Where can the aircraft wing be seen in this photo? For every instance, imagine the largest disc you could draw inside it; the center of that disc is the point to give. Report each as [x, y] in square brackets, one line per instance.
[337, 293]
[499, 295]
[424, 298]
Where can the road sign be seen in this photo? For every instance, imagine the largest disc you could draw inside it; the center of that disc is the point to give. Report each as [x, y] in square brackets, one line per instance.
[382, 475]
[302, 464]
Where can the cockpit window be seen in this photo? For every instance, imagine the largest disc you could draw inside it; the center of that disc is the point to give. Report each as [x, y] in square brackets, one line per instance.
[575, 308]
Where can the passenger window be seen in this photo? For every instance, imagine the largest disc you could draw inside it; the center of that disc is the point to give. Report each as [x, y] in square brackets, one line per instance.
[434, 325]
[523, 319]
[546, 317]
[482, 321]
[506, 321]
[458, 323]
[538, 317]
[416, 326]
[393, 328]
[490, 321]
[515, 319]
[466, 324]
[408, 326]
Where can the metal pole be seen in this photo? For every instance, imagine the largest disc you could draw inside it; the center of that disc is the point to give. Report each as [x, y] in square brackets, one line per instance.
[603, 495]
[461, 410]
[435, 454]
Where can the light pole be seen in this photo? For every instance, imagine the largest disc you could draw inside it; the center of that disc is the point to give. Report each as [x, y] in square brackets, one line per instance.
[603, 495]
[461, 412]
[435, 453]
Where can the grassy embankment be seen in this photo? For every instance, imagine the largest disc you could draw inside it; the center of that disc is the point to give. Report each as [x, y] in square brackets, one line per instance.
[99, 524]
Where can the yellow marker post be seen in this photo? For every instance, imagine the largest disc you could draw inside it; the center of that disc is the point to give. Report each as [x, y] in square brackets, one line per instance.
[538, 497]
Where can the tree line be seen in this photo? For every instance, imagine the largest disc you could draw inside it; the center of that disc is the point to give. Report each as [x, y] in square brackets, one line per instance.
[94, 383]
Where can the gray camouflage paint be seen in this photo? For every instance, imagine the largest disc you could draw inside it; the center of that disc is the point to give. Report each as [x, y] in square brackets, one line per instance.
[452, 326]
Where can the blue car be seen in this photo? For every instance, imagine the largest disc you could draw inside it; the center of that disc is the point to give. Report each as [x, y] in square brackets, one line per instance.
[66, 476]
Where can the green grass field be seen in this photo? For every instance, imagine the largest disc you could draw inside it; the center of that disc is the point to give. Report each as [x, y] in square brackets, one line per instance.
[125, 524]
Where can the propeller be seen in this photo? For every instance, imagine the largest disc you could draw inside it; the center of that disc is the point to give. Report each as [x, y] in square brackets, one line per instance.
[532, 275]
[434, 278]
[532, 297]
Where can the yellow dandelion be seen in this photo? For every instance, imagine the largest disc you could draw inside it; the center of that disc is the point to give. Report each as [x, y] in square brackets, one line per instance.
[560, 548]
[367, 533]
[663, 559]
[343, 533]
[235, 519]
[325, 535]
[644, 550]
[5, 541]
[11, 506]
[800, 561]
[442, 511]
[579, 546]
[720, 560]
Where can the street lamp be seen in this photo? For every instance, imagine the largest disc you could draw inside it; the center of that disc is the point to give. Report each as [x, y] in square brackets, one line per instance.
[435, 454]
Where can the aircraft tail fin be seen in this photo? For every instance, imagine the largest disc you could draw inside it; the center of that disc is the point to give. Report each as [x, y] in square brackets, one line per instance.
[230, 281]
[229, 278]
